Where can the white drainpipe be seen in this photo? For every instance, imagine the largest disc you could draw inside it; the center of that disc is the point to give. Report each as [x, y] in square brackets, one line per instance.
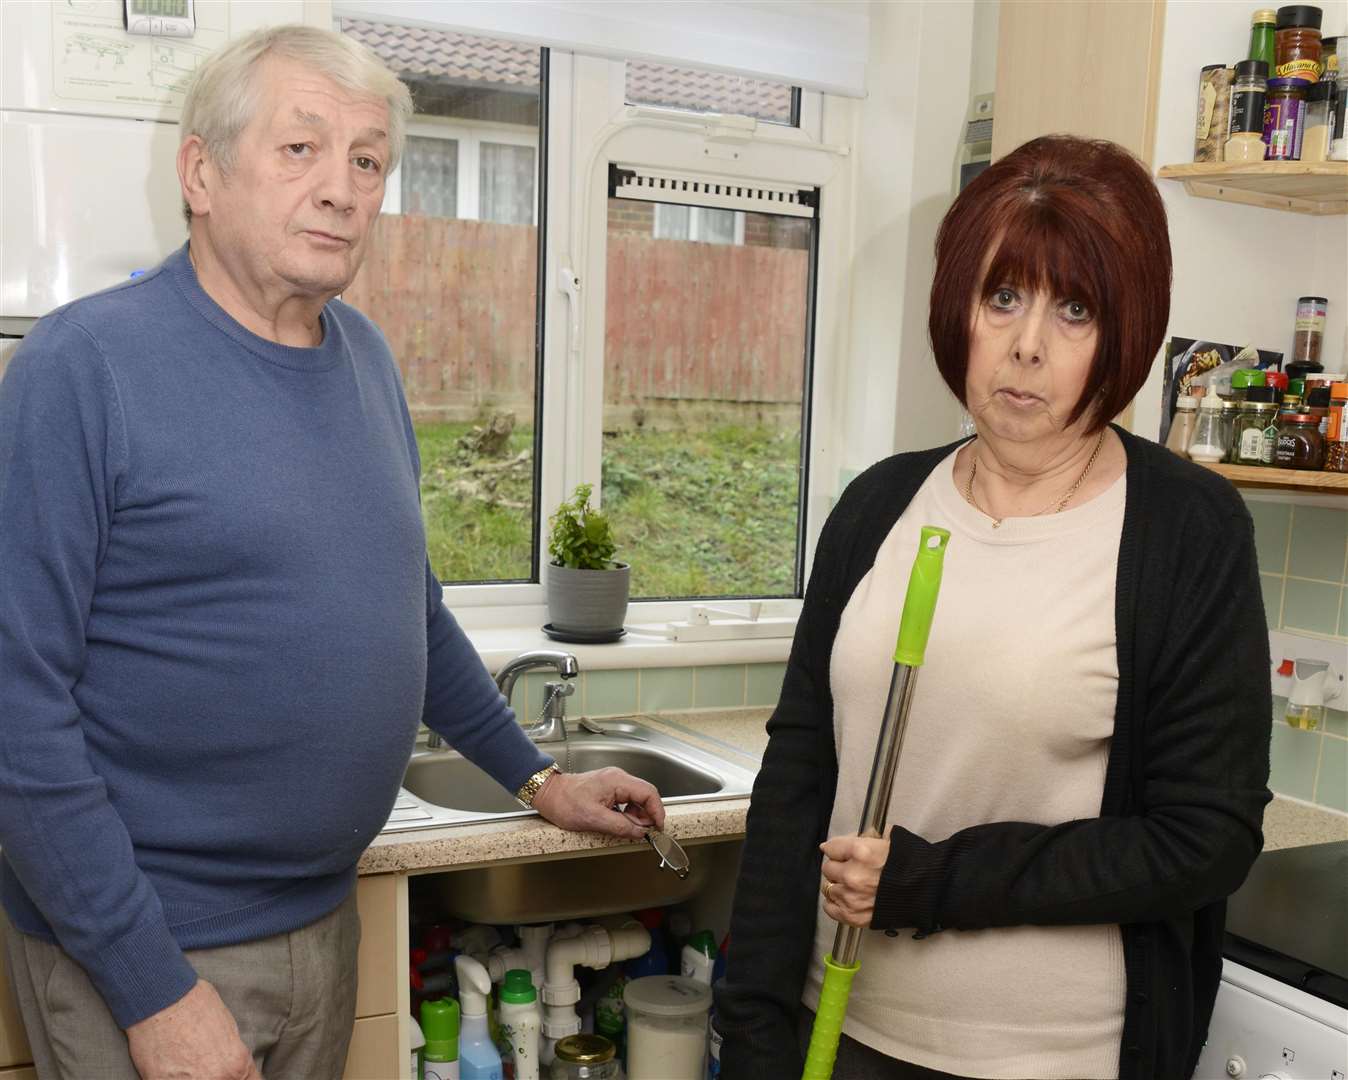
[594, 947]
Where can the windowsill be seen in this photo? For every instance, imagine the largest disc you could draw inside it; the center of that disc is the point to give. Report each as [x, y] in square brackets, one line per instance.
[642, 647]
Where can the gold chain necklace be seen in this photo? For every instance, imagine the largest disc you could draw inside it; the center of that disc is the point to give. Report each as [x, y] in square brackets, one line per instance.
[1052, 507]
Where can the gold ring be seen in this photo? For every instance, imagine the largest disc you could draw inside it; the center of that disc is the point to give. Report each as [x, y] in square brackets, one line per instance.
[827, 886]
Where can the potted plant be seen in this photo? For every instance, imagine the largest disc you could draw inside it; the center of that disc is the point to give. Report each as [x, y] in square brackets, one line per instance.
[587, 587]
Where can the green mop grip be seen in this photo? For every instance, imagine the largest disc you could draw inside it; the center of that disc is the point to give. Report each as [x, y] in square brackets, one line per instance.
[828, 1021]
[920, 603]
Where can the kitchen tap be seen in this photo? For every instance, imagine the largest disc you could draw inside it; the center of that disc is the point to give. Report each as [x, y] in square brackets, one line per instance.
[551, 725]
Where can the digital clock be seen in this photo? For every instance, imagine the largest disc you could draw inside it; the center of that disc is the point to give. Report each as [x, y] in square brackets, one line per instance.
[170, 18]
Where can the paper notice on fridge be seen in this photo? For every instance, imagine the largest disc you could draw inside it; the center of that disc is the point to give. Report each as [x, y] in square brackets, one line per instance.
[95, 59]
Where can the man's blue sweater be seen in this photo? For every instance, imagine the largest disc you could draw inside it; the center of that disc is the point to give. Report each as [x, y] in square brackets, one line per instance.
[218, 630]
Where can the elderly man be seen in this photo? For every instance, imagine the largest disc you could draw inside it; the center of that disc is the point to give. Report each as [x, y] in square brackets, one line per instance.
[218, 627]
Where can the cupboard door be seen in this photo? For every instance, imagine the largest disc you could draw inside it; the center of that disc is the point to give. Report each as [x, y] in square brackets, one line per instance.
[1079, 68]
[374, 1050]
[377, 961]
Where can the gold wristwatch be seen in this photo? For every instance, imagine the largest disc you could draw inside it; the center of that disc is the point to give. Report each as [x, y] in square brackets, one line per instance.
[534, 785]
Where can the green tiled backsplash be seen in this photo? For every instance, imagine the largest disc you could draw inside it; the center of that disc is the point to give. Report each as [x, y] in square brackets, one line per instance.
[1311, 765]
[1303, 566]
[1307, 765]
[633, 690]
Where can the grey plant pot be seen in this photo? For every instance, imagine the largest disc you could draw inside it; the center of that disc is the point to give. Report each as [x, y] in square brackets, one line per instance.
[588, 601]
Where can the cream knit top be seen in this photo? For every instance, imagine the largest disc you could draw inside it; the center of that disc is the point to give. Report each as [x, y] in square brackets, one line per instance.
[1011, 720]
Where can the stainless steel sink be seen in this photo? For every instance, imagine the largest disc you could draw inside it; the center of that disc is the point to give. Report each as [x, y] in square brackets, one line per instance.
[441, 787]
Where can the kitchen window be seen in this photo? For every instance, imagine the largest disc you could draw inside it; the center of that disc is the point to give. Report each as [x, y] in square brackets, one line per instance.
[452, 280]
[516, 400]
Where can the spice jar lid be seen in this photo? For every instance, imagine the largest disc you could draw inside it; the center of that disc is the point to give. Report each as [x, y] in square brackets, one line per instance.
[1318, 397]
[1300, 418]
[1313, 299]
[1339, 392]
[1290, 84]
[585, 1049]
[1251, 69]
[1186, 401]
[1304, 16]
[1212, 403]
[1260, 395]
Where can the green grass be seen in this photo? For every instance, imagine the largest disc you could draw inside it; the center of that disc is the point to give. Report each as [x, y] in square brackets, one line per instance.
[697, 513]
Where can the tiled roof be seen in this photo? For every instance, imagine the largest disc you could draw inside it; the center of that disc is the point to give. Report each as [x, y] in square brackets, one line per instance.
[414, 50]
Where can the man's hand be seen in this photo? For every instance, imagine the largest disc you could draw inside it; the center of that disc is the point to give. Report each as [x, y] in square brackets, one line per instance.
[588, 802]
[195, 1038]
[851, 870]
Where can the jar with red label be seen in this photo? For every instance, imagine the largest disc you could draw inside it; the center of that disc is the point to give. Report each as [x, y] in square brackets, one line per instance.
[1336, 438]
[1297, 47]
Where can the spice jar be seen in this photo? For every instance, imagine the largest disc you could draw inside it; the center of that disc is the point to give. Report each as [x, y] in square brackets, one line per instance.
[1284, 118]
[1208, 443]
[1338, 146]
[1256, 430]
[1329, 59]
[1336, 438]
[584, 1057]
[1242, 379]
[1230, 410]
[1300, 445]
[1245, 121]
[1317, 404]
[1214, 101]
[1277, 380]
[1182, 424]
[1296, 43]
[1309, 329]
[1319, 121]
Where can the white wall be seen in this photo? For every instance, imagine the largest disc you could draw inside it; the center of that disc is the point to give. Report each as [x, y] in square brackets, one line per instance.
[1238, 269]
[904, 137]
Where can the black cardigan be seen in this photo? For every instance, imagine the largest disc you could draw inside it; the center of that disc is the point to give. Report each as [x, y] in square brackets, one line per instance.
[1185, 786]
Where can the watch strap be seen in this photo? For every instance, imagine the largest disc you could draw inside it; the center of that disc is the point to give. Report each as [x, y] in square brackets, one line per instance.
[530, 788]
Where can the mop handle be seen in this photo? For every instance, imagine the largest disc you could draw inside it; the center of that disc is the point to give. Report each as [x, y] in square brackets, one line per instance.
[841, 966]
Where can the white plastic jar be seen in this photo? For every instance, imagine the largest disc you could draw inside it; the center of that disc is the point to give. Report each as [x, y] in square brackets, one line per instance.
[667, 1028]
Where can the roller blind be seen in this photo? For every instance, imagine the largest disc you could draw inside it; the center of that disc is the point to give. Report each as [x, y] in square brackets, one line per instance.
[814, 44]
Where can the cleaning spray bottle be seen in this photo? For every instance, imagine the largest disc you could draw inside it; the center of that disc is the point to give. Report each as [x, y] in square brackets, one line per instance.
[438, 1058]
[521, 1022]
[699, 955]
[478, 1056]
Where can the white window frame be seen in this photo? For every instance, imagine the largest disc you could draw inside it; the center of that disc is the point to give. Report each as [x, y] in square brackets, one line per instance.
[592, 126]
[470, 135]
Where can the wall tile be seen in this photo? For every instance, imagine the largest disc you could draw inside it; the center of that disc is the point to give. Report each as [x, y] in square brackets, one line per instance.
[610, 693]
[1319, 541]
[1272, 584]
[720, 687]
[764, 684]
[1336, 721]
[1331, 788]
[1270, 534]
[1311, 605]
[1294, 755]
[666, 688]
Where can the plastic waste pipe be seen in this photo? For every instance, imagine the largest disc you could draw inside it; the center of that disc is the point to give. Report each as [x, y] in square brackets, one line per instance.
[842, 964]
[593, 947]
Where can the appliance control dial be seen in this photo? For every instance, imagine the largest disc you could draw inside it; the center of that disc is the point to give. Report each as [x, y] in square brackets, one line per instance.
[1235, 1066]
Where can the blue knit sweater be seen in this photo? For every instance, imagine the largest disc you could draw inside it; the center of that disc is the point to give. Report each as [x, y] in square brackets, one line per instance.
[218, 630]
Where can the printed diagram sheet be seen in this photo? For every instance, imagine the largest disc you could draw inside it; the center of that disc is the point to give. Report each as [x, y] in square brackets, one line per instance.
[95, 59]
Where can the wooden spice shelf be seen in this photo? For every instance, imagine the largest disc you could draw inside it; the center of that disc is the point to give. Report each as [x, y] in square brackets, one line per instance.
[1327, 483]
[1319, 187]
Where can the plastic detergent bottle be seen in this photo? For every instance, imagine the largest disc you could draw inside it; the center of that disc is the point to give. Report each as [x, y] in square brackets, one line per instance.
[656, 961]
[699, 955]
[521, 1022]
[438, 1058]
[478, 1056]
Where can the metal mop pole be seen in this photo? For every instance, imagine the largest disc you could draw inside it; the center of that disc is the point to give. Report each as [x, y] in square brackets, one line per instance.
[841, 966]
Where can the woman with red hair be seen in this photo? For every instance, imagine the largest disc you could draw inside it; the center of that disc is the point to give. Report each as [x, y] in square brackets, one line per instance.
[1085, 767]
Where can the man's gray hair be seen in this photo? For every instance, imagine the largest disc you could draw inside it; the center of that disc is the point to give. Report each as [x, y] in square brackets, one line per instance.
[223, 95]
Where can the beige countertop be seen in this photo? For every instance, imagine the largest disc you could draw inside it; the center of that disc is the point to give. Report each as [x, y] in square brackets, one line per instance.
[738, 734]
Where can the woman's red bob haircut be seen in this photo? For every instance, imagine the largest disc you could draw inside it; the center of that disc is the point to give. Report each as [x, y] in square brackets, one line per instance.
[1081, 219]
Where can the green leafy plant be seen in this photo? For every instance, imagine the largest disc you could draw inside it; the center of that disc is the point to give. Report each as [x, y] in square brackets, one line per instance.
[580, 536]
